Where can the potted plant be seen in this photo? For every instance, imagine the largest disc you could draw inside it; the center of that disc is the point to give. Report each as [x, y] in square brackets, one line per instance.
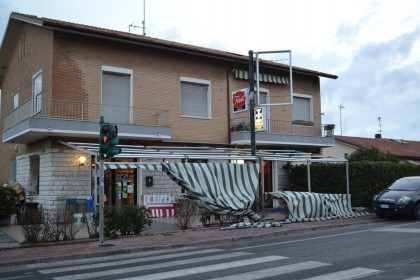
[8, 200]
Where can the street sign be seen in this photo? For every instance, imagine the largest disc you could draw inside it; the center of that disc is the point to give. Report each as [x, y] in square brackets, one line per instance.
[259, 119]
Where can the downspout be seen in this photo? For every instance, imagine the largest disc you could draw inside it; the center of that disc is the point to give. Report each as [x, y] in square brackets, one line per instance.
[228, 105]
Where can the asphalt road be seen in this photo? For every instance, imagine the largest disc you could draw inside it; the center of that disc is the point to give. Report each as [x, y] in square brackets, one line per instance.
[389, 249]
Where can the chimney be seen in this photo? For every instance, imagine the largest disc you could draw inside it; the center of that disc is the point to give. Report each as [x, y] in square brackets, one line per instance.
[378, 136]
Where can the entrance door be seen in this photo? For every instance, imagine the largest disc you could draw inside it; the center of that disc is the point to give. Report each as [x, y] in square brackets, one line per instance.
[120, 186]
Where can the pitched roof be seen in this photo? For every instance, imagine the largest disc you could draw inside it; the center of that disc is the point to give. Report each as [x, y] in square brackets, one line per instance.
[86, 30]
[400, 148]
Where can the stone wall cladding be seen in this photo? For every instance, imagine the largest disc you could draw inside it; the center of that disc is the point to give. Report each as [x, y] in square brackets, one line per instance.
[60, 177]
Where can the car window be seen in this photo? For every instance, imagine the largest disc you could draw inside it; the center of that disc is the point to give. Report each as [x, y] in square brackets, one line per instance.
[405, 185]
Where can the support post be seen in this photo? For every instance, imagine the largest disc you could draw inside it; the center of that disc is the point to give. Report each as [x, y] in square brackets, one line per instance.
[101, 200]
[308, 168]
[347, 177]
[251, 101]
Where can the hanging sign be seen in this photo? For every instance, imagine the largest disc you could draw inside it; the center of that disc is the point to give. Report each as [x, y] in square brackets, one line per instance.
[259, 119]
[240, 100]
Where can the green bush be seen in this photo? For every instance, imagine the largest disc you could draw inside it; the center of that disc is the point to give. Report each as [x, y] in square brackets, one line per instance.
[125, 220]
[8, 200]
[366, 178]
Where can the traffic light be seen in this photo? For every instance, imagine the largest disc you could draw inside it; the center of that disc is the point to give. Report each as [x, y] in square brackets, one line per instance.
[103, 139]
[113, 141]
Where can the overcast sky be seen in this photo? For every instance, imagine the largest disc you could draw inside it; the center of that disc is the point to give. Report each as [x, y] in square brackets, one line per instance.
[373, 46]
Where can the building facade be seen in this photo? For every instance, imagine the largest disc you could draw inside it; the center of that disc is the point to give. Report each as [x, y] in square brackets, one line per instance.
[57, 78]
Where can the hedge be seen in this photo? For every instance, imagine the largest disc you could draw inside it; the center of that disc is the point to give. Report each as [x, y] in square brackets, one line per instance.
[366, 178]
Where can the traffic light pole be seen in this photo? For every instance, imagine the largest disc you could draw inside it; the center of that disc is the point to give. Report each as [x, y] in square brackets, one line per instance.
[101, 200]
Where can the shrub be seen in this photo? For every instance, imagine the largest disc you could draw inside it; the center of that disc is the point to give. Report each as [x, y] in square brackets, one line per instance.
[125, 220]
[8, 200]
[185, 213]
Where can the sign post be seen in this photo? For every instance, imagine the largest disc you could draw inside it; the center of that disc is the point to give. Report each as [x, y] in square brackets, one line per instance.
[251, 101]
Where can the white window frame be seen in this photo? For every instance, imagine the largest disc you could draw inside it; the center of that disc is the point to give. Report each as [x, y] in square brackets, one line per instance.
[124, 71]
[306, 96]
[15, 99]
[35, 95]
[199, 82]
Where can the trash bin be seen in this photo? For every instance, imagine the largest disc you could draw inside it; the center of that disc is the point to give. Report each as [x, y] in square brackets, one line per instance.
[89, 205]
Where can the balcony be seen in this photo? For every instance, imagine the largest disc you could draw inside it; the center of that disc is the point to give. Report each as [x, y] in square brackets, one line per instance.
[282, 133]
[32, 121]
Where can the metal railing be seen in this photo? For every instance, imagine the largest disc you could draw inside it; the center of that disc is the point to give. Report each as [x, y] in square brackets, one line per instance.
[62, 109]
[281, 127]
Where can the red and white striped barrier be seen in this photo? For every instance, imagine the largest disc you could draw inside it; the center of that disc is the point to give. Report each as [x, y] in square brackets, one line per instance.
[157, 210]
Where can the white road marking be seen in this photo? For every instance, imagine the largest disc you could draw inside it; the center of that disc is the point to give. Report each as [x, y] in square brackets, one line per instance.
[151, 266]
[352, 273]
[274, 271]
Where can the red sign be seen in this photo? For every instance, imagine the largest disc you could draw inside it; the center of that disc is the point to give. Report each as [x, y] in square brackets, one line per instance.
[239, 100]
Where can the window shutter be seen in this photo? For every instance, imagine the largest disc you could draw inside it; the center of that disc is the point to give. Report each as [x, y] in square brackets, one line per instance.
[194, 100]
[301, 109]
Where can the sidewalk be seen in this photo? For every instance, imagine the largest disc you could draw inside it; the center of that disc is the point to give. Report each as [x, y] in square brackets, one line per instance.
[163, 234]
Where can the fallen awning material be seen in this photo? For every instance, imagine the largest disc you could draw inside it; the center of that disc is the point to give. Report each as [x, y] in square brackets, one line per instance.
[223, 188]
[309, 206]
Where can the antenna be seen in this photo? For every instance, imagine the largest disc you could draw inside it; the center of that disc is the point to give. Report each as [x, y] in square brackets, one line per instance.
[144, 18]
[380, 125]
[341, 127]
[143, 22]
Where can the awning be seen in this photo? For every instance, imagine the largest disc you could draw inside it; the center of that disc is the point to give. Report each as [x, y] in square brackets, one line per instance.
[243, 75]
[133, 165]
[224, 188]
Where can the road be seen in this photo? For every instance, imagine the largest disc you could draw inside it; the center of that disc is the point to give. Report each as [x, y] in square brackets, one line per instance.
[389, 249]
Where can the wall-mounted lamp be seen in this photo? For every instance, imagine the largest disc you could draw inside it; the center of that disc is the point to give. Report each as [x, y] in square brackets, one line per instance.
[82, 160]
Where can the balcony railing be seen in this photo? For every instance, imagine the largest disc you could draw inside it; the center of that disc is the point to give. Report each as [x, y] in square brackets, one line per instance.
[80, 111]
[303, 128]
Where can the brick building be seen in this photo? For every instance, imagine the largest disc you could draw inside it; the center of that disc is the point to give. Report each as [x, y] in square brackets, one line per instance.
[57, 78]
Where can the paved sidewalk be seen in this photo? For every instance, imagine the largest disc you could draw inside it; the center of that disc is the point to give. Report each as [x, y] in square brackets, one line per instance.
[159, 239]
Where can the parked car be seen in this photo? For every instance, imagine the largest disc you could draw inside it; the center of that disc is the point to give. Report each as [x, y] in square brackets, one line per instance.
[400, 198]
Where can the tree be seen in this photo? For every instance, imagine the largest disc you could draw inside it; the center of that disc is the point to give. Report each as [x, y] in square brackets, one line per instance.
[372, 154]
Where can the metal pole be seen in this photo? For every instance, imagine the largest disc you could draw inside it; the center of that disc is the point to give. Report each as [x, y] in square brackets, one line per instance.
[95, 183]
[251, 101]
[308, 168]
[347, 177]
[101, 200]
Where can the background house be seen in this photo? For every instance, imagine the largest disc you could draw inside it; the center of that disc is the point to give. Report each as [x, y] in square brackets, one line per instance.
[405, 150]
[57, 78]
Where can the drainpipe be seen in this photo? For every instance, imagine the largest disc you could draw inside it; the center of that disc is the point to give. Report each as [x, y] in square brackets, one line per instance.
[228, 104]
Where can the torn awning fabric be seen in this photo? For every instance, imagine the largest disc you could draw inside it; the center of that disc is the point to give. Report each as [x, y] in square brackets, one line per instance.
[223, 188]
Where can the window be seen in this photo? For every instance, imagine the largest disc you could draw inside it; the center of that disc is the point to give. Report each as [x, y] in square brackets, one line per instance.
[116, 94]
[302, 109]
[195, 98]
[33, 184]
[37, 91]
[15, 99]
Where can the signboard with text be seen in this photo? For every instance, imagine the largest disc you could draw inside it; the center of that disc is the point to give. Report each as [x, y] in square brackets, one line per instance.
[259, 119]
[240, 100]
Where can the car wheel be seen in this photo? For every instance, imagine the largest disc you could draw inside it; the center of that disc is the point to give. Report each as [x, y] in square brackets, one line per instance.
[417, 211]
[379, 215]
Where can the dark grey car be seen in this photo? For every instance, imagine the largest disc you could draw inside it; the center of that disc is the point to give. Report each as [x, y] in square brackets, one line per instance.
[400, 198]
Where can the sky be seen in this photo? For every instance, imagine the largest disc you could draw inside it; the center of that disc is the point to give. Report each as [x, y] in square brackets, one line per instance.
[373, 46]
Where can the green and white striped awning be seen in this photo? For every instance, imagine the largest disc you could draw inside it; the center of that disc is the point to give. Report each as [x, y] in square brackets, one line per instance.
[133, 165]
[222, 188]
[308, 206]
